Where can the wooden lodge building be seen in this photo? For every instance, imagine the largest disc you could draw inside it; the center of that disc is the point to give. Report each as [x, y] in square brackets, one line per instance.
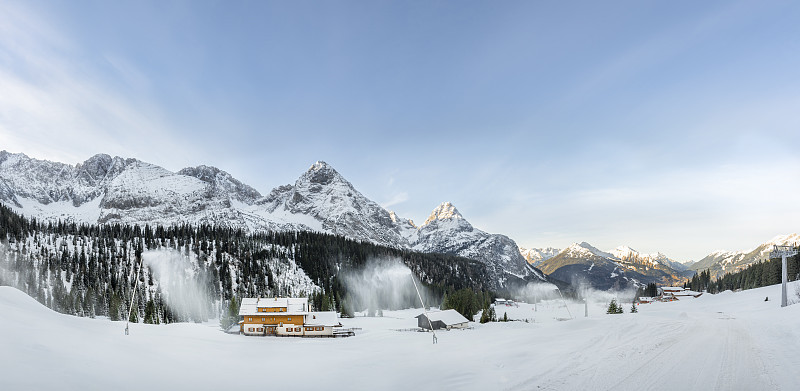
[285, 316]
[447, 319]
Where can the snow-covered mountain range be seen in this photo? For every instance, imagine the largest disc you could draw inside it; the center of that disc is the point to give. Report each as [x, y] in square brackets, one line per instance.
[617, 268]
[106, 189]
[535, 256]
[721, 262]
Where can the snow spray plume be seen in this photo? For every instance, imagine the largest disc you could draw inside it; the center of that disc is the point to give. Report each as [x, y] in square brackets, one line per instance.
[535, 291]
[595, 296]
[383, 283]
[3, 262]
[181, 282]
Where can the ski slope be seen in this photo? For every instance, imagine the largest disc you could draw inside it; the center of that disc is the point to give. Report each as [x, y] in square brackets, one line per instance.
[730, 341]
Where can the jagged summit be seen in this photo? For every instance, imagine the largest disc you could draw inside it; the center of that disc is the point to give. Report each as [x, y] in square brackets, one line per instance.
[584, 247]
[322, 173]
[445, 211]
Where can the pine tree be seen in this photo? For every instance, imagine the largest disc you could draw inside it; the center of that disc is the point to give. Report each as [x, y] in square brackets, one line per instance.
[614, 308]
[231, 315]
[633, 308]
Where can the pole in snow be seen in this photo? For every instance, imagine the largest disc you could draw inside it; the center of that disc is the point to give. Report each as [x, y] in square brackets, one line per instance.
[565, 303]
[783, 252]
[133, 295]
[425, 310]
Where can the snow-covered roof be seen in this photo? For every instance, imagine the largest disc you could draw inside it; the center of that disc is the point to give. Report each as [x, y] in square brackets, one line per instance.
[293, 305]
[327, 318]
[449, 317]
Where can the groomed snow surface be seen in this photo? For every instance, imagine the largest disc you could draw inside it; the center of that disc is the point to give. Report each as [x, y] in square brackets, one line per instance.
[729, 341]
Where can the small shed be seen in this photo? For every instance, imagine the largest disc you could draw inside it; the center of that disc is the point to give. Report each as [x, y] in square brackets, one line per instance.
[447, 319]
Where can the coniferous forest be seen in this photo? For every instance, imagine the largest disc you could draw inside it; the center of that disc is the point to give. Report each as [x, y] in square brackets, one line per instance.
[92, 270]
[754, 276]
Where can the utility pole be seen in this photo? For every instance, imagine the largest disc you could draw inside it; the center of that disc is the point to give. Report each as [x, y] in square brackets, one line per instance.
[783, 252]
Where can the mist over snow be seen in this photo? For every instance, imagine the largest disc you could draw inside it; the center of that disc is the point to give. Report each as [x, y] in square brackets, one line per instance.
[534, 292]
[183, 288]
[384, 283]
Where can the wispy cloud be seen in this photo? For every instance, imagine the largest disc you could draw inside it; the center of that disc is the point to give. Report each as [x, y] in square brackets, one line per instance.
[397, 199]
[56, 104]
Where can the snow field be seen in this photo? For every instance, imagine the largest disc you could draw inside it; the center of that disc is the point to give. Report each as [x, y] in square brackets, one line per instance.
[729, 341]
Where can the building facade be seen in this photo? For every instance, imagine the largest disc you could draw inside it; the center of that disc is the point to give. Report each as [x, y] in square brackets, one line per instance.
[284, 316]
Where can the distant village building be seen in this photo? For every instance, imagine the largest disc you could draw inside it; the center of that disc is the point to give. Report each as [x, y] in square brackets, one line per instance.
[285, 316]
[447, 319]
[506, 302]
[670, 293]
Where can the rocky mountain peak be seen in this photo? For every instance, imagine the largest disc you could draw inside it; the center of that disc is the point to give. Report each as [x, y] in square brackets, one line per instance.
[223, 181]
[321, 173]
[399, 220]
[445, 211]
[206, 174]
[96, 166]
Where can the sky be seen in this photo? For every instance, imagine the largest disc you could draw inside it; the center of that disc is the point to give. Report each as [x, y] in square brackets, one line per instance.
[663, 126]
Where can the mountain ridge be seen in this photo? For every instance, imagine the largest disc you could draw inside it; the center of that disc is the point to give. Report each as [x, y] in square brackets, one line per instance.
[726, 261]
[107, 190]
[620, 268]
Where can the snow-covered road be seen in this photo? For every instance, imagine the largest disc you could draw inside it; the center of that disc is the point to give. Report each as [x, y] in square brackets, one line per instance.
[712, 353]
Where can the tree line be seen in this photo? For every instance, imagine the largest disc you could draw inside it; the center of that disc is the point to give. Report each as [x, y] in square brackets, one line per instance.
[760, 274]
[90, 269]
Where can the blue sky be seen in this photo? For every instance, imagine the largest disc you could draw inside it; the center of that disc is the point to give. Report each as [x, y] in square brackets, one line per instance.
[664, 126]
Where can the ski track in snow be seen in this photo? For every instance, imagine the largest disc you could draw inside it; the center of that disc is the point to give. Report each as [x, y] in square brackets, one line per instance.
[730, 341]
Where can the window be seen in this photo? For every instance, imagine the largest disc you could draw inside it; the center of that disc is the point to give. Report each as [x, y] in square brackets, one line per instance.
[319, 328]
[263, 319]
[249, 319]
[297, 329]
[309, 329]
[288, 319]
[250, 329]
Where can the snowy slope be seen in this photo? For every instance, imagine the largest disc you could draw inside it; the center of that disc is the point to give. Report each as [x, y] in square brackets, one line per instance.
[730, 341]
[721, 262]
